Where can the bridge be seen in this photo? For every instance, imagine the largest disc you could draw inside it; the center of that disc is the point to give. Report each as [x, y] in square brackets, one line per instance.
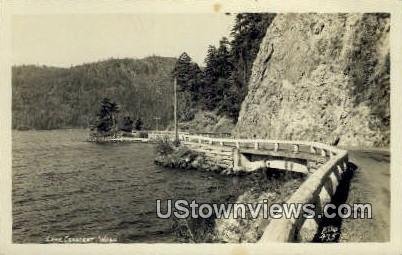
[323, 164]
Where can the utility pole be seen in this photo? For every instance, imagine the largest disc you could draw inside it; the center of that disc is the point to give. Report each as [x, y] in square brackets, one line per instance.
[176, 131]
[157, 123]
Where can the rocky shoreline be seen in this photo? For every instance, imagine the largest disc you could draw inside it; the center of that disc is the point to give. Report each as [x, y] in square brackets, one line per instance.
[184, 158]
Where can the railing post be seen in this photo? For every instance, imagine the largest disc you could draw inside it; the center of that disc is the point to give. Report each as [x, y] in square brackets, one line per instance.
[276, 147]
[295, 148]
[256, 145]
[339, 168]
[237, 145]
[345, 165]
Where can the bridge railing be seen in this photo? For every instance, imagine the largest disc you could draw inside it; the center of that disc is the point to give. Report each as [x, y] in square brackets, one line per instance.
[262, 144]
[318, 188]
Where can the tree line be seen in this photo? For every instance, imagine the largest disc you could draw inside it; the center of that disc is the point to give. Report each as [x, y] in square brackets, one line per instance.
[49, 98]
[222, 85]
[108, 122]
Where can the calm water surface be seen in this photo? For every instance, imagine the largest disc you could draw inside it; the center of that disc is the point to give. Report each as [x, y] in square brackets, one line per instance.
[63, 185]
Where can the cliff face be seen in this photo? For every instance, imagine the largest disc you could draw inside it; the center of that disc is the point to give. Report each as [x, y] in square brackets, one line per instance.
[319, 77]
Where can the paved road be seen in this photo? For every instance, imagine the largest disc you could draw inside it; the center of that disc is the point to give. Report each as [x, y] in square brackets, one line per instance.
[370, 184]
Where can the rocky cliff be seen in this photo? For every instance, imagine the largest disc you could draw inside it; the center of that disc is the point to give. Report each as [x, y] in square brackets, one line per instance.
[321, 77]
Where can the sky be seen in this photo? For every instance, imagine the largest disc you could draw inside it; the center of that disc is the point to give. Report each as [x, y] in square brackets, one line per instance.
[65, 40]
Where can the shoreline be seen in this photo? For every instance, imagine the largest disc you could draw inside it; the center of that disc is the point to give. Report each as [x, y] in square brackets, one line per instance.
[186, 159]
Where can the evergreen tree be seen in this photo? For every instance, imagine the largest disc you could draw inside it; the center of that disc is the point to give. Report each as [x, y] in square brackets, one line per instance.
[106, 117]
[210, 73]
[189, 76]
[216, 74]
[187, 73]
[228, 67]
[209, 77]
[139, 124]
[126, 124]
[248, 31]
[224, 61]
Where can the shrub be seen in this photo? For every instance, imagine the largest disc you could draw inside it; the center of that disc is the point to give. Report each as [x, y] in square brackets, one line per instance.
[164, 146]
[143, 134]
[127, 134]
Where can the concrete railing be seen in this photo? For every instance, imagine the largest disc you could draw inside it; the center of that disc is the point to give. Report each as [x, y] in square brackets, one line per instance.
[275, 145]
[318, 188]
[156, 135]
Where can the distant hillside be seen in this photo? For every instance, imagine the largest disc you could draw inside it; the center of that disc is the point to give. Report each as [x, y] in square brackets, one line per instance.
[49, 97]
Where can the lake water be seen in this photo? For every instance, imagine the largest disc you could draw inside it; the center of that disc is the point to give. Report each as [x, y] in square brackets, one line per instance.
[63, 185]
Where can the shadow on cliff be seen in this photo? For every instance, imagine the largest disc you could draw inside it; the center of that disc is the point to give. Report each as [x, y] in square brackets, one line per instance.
[330, 229]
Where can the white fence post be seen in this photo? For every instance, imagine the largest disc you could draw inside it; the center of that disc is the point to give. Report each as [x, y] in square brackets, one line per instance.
[276, 147]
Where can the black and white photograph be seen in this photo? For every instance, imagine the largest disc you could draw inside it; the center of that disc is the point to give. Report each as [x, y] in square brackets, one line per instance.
[224, 127]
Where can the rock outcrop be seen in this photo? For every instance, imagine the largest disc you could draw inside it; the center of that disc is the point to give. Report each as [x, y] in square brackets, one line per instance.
[321, 77]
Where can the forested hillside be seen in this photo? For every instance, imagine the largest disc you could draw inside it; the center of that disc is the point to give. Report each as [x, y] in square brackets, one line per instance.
[48, 97]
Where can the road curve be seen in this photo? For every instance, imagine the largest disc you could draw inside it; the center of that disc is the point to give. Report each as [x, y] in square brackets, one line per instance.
[370, 184]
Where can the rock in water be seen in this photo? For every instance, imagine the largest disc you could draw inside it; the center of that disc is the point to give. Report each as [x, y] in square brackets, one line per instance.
[321, 76]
